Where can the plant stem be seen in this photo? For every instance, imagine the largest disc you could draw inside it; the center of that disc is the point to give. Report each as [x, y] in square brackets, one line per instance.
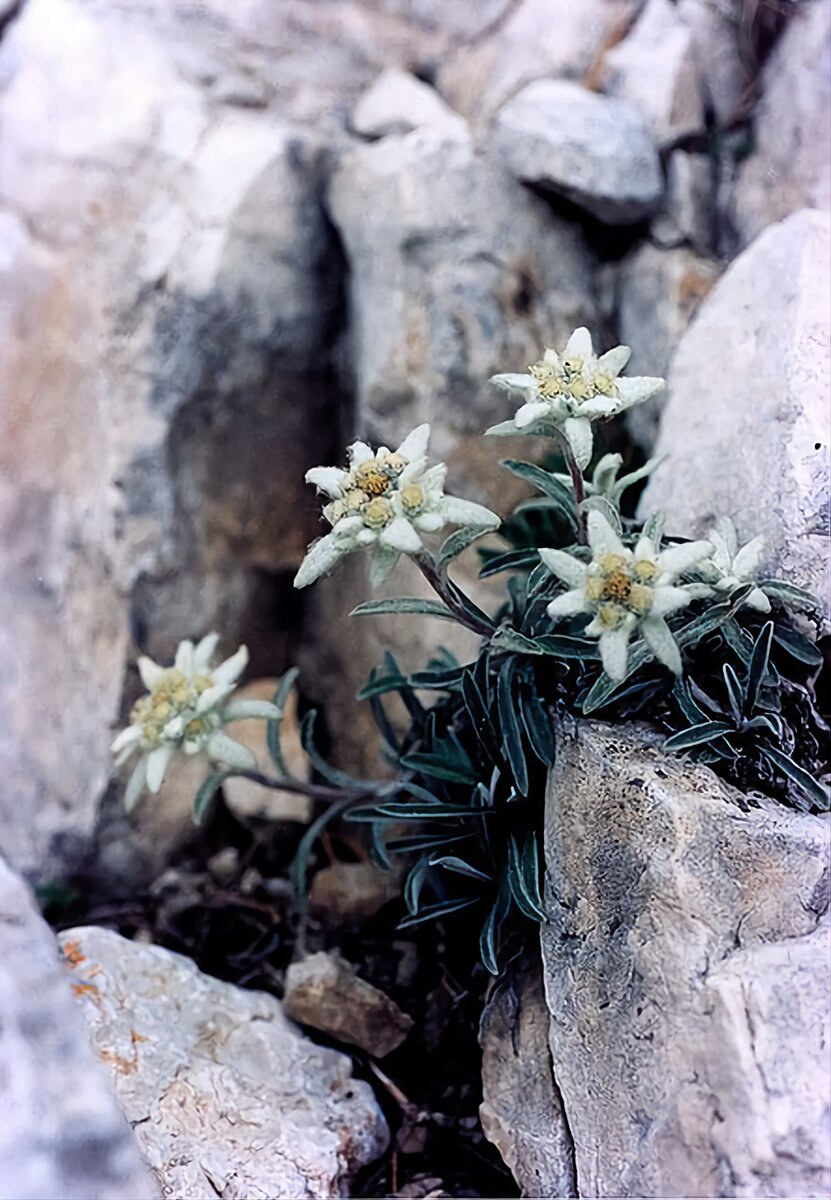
[441, 586]
[579, 488]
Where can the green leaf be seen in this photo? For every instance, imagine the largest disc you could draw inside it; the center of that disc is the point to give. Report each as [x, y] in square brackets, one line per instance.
[798, 647]
[478, 713]
[735, 694]
[466, 604]
[274, 726]
[425, 841]
[511, 733]
[416, 879]
[206, 794]
[449, 862]
[404, 604]
[539, 726]
[489, 937]
[511, 560]
[544, 481]
[438, 766]
[434, 912]
[444, 679]
[758, 668]
[329, 773]
[560, 646]
[654, 528]
[380, 685]
[384, 724]
[812, 788]
[300, 864]
[402, 811]
[789, 594]
[604, 688]
[606, 509]
[698, 735]
[523, 877]
[713, 617]
[507, 638]
[458, 542]
[626, 481]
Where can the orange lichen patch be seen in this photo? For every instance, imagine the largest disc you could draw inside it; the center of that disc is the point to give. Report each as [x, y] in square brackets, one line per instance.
[124, 1066]
[85, 989]
[72, 954]
[136, 1037]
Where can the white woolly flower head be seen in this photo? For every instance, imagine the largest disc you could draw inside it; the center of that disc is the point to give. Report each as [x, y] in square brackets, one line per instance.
[383, 502]
[563, 393]
[625, 590]
[730, 566]
[184, 710]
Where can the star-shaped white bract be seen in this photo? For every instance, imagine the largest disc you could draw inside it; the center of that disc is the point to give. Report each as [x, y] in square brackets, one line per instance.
[564, 393]
[184, 710]
[625, 590]
[730, 566]
[383, 502]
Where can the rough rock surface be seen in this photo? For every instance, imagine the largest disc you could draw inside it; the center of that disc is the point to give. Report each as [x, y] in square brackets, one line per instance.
[689, 213]
[594, 150]
[61, 1133]
[686, 972]
[725, 72]
[654, 67]
[521, 1111]
[225, 1095]
[790, 166]
[535, 39]
[249, 799]
[658, 293]
[324, 992]
[397, 102]
[762, 338]
[347, 893]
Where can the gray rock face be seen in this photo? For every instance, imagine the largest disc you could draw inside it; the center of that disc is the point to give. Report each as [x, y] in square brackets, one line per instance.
[689, 214]
[658, 293]
[61, 1133]
[176, 251]
[225, 1095]
[724, 69]
[456, 271]
[521, 1110]
[790, 166]
[654, 68]
[686, 973]
[397, 102]
[592, 149]
[761, 338]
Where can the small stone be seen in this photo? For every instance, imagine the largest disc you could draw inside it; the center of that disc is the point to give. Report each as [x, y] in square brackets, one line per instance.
[760, 338]
[654, 67]
[226, 1096]
[224, 864]
[347, 893]
[398, 102]
[689, 214]
[323, 992]
[594, 150]
[249, 799]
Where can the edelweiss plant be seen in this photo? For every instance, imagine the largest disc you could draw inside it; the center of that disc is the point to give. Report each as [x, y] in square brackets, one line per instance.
[652, 627]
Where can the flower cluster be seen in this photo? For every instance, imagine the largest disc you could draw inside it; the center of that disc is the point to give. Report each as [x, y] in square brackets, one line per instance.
[184, 710]
[564, 393]
[383, 502]
[729, 566]
[626, 590]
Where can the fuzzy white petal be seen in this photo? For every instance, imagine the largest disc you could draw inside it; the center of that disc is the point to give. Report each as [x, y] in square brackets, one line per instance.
[185, 659]
[634, 389]
[675, 560]
[136, 784]
[503, 429]
[151, 673]
[600, 406]
[758, 600]
[602, 538]
[213, 696]
[515, 383]
[569, 604]
[535, 410]
[400, 535]
[204, 652]
[668, 600]
[579, 344]
[746, 562]
[657, 635]
[613, 361]
[413, 470]
[327, 480]
[415, 443]
[428, 522]
[242, 710]
[614, 651]
[320, 558]
[578, 430]
[230, 671]
[223, 749]
[158, 761]
[128, 737]
[467, 512]
[726, 531]
[569, 569]
[645, 548]
[360, 452]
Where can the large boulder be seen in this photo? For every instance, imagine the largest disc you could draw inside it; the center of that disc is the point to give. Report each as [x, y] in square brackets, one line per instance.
[686, 973]
[790, 163]
[747, 424]
[171, 291]
[61, 1132]
[225, 1095]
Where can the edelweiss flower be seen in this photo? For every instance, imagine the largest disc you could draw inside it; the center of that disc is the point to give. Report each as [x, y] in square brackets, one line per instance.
[185, 710]
[625, 590]
[565, 392]
[383, 501]
[728, 566]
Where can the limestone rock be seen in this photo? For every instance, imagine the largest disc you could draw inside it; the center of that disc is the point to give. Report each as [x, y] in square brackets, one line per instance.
[61, 1133]
[594, 150]
[718, 28]
[350, 892]
[249, 799]
[323, 992]
[685, 966]
[225, 1095]
[397, 102]
[760, 338]
[790, 166]
[177, 253]
[654, 68]
[455, 271]
[658, 293]
[689, 213]
[521, 1110]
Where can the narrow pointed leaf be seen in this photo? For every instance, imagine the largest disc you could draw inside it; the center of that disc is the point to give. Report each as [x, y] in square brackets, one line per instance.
[816, 792]
[511, 732]
[404, 604]
[758, 668]
[698, 735]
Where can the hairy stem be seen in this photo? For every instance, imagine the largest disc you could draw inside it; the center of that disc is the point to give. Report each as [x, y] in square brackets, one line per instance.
[579, 486]
[448, 595]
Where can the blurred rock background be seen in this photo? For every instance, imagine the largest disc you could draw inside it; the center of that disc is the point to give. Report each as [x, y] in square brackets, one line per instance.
[235, 235]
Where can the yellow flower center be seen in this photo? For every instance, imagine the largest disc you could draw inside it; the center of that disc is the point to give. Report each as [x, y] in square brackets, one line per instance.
[616, 586]
[412, 497]
[377, 513]
[548, 381]
[611, 614]
[372, 478]
[172, 695]
[395, 463]
[646, 570]
[354, 499]
[604, 383]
